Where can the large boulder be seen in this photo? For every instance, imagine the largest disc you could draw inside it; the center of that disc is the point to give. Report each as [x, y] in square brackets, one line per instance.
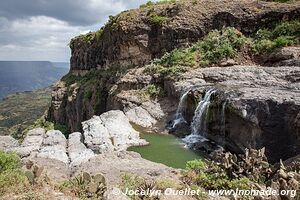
[140, 116]
[7, 142]
[54, 146]
[110, 131]
[31, 144]
[78, 153]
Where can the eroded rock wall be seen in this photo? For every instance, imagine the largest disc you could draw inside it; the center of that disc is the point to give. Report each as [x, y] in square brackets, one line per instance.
[135, 38]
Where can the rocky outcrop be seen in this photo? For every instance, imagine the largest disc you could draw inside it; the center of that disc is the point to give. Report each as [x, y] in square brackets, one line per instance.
[101, 135]
[134, 37]
[54, 146]
[109, 132]
[77, 151]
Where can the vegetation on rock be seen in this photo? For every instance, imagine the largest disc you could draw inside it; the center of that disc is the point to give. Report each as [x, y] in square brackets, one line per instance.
[85, 186]
[221, 45]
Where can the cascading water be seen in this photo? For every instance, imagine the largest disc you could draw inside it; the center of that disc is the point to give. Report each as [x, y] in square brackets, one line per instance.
[198, 125]
[180, 110]
[222, 116]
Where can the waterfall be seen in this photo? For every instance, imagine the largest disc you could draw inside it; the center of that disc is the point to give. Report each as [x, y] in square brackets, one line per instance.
[198, 125]
[222, 116]
[180, 110]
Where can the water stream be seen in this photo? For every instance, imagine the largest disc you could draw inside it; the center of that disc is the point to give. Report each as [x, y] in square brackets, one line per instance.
[198, 125]
[180, 110]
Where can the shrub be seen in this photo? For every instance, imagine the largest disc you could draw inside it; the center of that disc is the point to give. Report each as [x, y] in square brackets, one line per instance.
[196, 165]
[283, 34]
[13, 181]
[163, 184]
[85, 186]
[9, 161]
[152, 90]
[130, 181]
[286, 29]
[264, 45]
[284, 41]
[182, 57]
[218, 45]
[12, 178]
[160, 20]
[165, 71]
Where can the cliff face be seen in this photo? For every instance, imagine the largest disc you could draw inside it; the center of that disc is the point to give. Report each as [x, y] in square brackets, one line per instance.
[135, 37]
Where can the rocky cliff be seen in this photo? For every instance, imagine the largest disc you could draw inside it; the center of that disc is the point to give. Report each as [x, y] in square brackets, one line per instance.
[108, 72]
[135, 37]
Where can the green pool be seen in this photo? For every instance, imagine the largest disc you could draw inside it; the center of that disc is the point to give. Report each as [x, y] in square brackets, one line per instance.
[165, 149]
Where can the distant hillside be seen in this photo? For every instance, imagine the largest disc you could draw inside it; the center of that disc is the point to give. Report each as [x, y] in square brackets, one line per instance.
[18, 76]
[18, 111]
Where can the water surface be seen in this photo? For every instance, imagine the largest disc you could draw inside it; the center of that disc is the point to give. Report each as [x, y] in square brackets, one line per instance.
[165, 149]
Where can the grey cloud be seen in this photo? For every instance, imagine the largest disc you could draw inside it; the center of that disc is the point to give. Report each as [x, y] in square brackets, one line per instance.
[77, 12]
[41, 29]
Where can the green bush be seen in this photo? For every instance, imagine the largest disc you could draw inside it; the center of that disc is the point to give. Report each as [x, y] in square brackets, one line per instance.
[130, 181]
[182, 57]
[283, 34]
[218, 45]
[9, 161]
[12, 178]
[287, 29]
[284, 41]
[264, 45]
[196, 165]
[158, 19]
[13, 181]
[153, 90]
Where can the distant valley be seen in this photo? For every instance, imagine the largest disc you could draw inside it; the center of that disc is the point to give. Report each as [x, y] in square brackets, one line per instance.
[19, 76]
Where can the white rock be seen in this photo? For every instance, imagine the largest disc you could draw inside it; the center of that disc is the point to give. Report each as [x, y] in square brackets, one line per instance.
[78, 153]
[141, 117]
[55, 137]
[111, 131]
[7, 142]
[31, 144]
[96, 136]
[56, 152]
[34, 138]
[120, 130]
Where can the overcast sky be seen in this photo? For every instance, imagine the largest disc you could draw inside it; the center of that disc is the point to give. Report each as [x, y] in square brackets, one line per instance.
[42, 29]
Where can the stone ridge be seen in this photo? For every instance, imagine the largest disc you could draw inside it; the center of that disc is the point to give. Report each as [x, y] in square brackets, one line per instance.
[137, 36]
